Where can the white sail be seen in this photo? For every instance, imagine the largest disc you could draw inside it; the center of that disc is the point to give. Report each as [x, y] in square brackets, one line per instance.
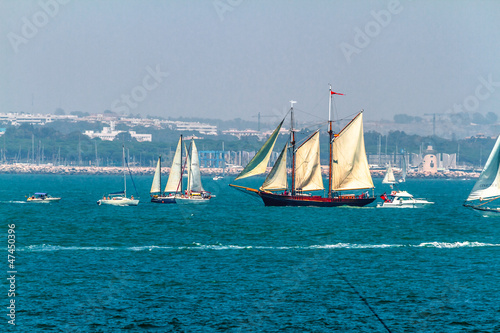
[403, 177]
[156, 186]
[277, 178]
[188, 166]
[194, 170]
[488, 184]
[389, 176]
[350, 169]
[307, 165]
[258, 164]
[174, 178]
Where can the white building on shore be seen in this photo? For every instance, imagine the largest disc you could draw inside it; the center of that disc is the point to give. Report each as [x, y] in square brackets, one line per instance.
[109, 134]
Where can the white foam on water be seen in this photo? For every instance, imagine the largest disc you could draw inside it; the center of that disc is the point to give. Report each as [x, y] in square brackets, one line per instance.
[355, 246]
[48, 248]
[444, 245]
[149, 248]
[221, 247]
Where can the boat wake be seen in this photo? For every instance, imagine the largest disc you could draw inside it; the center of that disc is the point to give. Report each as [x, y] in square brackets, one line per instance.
[220, 247]
[442, 245]
[13, 201]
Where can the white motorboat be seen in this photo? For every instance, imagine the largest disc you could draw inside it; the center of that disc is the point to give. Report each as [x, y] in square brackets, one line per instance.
[42, 197]
[402, 199]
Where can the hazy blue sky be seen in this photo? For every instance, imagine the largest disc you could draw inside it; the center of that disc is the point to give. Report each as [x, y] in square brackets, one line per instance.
[232, 58]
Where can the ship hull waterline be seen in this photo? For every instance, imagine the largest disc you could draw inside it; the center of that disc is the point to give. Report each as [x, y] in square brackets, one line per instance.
[492, 211]
[118, 202]
[164, 200]
[274, 199]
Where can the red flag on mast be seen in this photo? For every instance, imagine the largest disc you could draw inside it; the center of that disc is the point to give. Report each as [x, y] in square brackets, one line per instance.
[334, 93]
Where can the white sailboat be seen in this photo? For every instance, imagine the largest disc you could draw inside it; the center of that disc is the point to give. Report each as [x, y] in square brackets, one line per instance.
[487, 188]
[173, 188]
[194, 194]
[403, 169]
[119, 198]
[389, 176]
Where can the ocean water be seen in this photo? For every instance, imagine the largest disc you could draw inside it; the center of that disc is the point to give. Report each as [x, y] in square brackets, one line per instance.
[237, 266]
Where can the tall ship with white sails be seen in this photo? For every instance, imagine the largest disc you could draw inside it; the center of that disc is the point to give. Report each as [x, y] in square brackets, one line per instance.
[486, 192]
[348, 168]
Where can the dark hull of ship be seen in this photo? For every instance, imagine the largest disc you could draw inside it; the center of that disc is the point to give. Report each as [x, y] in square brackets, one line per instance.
[272, 199]
[164, 200]
[484, 209]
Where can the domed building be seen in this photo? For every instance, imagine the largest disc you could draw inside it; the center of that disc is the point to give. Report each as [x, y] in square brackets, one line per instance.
[430, 162]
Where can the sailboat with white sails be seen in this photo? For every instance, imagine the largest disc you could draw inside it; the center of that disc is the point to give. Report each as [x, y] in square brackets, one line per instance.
[389, 176]
[120, 198]
[348, 168]
[194, 194]
[173, 188]
[487, 188]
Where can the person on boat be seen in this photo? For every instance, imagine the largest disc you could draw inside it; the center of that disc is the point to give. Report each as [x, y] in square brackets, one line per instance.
[384, 197]
[132, 197]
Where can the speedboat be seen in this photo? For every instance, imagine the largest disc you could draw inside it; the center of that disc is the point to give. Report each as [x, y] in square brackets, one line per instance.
[42, 197]
[402, 199]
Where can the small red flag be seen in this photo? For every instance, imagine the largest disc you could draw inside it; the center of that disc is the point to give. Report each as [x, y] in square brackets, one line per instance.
[334, 93]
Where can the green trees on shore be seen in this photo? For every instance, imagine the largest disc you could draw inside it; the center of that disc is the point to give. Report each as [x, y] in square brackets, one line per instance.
[63, 144]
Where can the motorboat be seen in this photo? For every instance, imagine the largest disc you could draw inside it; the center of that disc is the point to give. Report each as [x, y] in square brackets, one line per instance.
[402, 199]
[42, 197]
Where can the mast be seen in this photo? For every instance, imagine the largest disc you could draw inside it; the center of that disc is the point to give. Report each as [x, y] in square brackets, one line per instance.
[124, 175]
[330, 134]
[182, 169]
[292, 142]
[223, 159]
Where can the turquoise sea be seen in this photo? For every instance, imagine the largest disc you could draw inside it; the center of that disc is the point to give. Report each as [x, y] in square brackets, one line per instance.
[237, 266]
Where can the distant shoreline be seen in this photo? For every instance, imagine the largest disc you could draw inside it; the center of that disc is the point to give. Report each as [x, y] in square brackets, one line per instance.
[94, 170]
